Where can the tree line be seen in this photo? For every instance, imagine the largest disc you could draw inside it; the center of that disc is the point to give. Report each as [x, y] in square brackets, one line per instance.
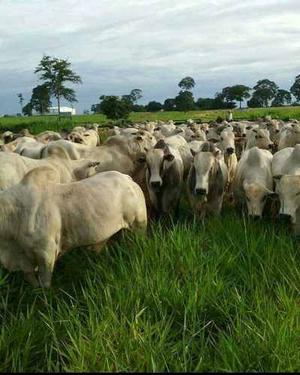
[55, 73]
[264, 94]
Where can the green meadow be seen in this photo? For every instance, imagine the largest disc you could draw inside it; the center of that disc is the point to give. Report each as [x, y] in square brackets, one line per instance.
[218, 295]
[37, 124]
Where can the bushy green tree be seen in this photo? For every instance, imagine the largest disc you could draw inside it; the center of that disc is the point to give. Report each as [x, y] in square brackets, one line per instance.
[222, 102]
[206, 103]
[282, 97]
[264, 91]
[55, 73]
[184, 101]
[236, 93]
[114, 107]
[255, 102]
[138, 108]
[154, 106]
[40, 98]
[27, 109]
[169, 104]
[187, 83]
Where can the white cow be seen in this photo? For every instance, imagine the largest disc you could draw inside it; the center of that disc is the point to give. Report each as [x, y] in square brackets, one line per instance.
[207, 181]
[13, 167]
[253, 180]
[164, 177]
[40, 219]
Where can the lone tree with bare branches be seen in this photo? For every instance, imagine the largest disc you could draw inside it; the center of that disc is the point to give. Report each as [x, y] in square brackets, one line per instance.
[55, 72]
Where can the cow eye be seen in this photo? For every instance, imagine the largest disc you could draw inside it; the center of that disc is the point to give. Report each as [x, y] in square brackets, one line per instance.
[222, 139]
[247, 199]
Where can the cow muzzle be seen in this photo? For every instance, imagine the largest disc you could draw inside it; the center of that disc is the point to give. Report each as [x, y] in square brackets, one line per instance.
[200, 192]
[230, 150]
[155, 185]
[255, 217]
[284, 218]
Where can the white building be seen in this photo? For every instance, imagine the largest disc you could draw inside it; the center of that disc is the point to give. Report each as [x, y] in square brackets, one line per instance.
[63, 110]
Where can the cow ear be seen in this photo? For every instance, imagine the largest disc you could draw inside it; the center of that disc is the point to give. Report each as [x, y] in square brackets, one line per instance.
[169, 157]
[41, 177]
[277, 177]
[160, 144]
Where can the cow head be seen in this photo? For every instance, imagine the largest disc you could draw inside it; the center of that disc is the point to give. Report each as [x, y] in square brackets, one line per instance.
[288, 190]
[158, 160]
[227, 142]
[256, 196]
[204, 171]
[262, 137]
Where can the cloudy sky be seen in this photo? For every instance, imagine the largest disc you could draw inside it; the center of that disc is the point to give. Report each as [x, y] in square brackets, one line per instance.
[150, 44]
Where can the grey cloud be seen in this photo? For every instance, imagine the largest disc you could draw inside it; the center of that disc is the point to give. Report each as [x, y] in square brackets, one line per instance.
[116, 46]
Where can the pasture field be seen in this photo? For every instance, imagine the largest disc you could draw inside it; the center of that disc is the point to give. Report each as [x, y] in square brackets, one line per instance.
[218, 295]
[37, 124]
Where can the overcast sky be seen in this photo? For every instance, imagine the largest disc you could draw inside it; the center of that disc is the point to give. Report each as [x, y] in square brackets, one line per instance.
[119, 45]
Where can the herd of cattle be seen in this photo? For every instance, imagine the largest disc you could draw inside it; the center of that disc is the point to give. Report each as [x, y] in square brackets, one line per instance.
[61, 191]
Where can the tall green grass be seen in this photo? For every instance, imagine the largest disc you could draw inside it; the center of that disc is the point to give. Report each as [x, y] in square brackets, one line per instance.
[218, 296]
[223, 295]
[37, 124]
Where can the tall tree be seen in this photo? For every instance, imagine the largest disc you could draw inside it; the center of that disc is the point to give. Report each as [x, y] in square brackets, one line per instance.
[221, 101]
[136, 94]
[55, 73]
[40, 98]
[295, 89]
[255, 102]
[21, 100]
[187, 83]
[265, 90]
[185, 101]
[236, 93]
[282, 97]
[169, 104]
